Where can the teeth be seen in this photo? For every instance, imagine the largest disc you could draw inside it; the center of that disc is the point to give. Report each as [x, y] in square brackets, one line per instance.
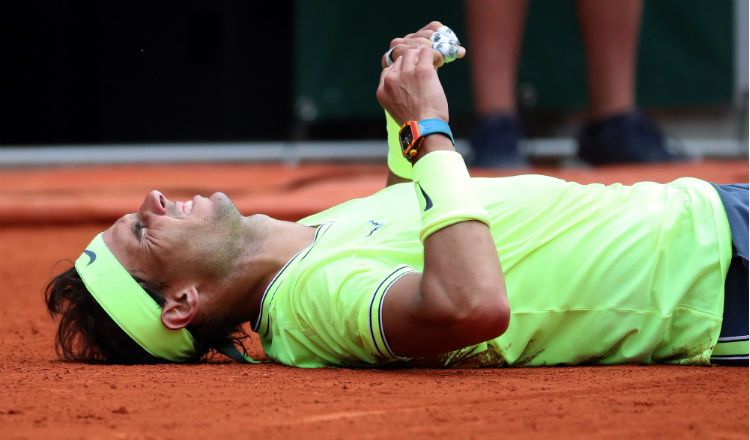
[188, 207]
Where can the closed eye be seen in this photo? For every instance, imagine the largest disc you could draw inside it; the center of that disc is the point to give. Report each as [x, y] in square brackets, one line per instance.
[137, 229]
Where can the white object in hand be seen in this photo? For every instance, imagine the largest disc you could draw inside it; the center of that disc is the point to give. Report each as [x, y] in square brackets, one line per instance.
[445, 41]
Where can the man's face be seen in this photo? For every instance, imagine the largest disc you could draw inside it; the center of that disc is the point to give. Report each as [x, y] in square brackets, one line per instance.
[164, 241]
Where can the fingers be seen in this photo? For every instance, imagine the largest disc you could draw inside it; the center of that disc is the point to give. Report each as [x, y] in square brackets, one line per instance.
[412, 59]
[409, 60]
[400, 49]
[461, 52]
[425, 58]
[400, 45]
[421, 38]
[389, 77]
[412, 41]
[432, 26]
[424, 33]
[391, 73]
[381, 90]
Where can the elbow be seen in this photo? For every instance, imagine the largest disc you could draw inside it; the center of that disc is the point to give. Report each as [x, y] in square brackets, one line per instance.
[485, 318]
[491, 318]
[488, 311]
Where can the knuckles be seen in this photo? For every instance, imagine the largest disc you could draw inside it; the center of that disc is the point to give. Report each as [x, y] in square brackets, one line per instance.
[389, 80]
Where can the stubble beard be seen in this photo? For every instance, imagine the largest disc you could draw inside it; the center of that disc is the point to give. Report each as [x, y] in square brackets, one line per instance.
[230, 242]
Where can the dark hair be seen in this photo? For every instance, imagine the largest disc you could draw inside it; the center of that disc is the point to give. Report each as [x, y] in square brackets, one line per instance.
[88, 334]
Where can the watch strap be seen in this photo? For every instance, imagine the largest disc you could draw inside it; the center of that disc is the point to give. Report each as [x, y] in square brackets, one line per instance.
[420, 129]
[430, 126]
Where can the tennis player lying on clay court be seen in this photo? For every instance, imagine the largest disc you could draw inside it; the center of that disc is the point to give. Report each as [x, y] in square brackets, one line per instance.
[444, 271]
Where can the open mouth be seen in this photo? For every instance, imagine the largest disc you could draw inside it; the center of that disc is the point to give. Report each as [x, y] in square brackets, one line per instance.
[184, 207]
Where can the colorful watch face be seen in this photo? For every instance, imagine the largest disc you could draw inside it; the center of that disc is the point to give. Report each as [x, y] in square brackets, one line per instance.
[407, 134]
[406, 138]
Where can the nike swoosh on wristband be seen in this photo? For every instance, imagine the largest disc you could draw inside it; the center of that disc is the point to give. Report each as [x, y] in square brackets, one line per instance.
[427, 199]
[92, 256]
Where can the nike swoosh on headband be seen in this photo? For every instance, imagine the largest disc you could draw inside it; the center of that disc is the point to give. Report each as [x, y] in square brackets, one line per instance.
[92, 256]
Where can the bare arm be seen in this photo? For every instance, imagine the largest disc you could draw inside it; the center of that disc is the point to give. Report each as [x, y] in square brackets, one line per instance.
[393, 179]
[421, 38]
[459, 299]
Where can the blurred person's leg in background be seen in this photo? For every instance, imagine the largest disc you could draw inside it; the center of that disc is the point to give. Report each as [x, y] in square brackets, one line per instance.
[615, 131]
[495, 29]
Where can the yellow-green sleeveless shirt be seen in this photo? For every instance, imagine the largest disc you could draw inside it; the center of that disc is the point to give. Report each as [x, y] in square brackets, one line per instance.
[594, 274]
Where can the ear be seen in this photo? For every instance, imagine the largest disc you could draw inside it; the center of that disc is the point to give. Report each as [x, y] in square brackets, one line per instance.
[180, 308]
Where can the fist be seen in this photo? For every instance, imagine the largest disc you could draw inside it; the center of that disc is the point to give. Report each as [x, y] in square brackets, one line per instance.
[410, 89]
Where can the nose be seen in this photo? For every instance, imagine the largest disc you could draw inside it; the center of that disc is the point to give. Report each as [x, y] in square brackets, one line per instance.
[154, 204]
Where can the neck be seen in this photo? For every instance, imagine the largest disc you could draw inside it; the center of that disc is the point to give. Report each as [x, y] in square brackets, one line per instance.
[271, 244]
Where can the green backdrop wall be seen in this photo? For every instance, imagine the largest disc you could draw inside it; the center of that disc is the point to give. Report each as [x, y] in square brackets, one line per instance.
[685, 55]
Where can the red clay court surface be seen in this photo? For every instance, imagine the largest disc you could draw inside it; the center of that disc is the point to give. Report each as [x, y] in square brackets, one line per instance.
[51, 214]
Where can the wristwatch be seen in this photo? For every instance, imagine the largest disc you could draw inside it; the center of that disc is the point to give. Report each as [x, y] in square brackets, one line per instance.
[412, 134]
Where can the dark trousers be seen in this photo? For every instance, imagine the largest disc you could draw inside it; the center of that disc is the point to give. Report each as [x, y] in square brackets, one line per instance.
[733, 339]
